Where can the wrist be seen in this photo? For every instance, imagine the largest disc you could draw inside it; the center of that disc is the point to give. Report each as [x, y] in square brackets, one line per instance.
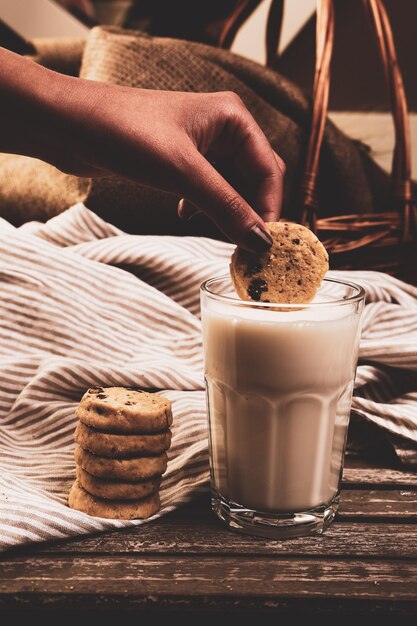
[35, 105]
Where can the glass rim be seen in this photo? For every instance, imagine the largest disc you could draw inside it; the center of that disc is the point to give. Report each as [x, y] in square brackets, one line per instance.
[359, 295]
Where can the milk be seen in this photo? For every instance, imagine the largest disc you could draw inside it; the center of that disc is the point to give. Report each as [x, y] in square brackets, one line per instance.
[279, 387]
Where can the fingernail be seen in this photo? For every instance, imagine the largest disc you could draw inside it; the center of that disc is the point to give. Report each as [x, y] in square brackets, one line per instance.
[258, 239]
[186, 210]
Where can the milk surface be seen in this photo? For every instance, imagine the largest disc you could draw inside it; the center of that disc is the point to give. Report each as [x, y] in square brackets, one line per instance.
[279, 388]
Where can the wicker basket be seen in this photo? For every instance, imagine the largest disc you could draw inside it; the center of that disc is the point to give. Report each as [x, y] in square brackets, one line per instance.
[377, 241]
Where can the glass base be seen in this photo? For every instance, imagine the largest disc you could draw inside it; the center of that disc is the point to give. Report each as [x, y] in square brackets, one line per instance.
[274, 525]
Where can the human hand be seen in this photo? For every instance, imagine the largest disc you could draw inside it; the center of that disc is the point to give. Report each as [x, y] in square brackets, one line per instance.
[206, 148]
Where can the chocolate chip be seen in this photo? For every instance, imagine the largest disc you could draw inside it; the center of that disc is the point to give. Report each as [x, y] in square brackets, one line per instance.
[296, 241]
[129, 403]
[96, 390]
[299, 282]
[99, 410]
[253, 268]
[288, 267]
[102, 396]
[256, 288]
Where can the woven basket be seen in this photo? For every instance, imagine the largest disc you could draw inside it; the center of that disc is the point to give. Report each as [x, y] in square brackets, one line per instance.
[378, 241]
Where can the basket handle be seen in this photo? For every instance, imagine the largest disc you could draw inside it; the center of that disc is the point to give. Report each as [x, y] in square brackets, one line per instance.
[401, 163]
[239, 15]
[401, 169]
[273, 31]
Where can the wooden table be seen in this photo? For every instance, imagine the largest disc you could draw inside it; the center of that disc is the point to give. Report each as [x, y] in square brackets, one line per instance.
[188, 562]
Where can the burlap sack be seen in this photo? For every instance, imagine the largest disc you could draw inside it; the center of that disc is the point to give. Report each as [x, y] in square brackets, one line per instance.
[350, 181]
[61, 55]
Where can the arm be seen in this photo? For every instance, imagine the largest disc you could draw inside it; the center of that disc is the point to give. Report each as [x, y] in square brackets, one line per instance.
[205, 147]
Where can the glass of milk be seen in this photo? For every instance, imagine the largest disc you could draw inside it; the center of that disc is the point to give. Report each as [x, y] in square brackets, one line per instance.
[279, 380]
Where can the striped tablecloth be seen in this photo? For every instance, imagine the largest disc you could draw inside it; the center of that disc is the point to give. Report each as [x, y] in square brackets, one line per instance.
[83, 304]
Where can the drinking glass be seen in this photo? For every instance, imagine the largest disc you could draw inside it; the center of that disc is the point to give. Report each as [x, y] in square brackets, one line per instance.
[279, 381]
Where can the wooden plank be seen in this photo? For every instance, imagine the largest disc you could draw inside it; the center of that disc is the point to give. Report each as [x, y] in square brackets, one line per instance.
[51, 609]
[398, 504]
[379, 477]
[209, 536]
[159, 577]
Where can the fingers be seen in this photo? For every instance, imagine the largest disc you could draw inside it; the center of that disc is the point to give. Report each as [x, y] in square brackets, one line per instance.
[245, 187]
[208, 191]
[251, 165]
[280, 188]
[260, 178]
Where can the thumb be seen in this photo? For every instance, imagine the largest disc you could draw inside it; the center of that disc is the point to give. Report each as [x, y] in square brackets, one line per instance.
[209, 192]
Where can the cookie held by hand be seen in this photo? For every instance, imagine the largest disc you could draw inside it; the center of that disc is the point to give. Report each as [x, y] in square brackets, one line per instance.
[291, 271]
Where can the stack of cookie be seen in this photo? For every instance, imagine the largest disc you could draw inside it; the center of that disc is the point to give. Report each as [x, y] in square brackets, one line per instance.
[121, 441]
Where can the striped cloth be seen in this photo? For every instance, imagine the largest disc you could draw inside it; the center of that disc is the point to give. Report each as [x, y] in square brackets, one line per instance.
[84, 304]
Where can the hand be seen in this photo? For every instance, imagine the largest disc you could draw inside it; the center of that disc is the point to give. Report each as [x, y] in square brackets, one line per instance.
[205, 147]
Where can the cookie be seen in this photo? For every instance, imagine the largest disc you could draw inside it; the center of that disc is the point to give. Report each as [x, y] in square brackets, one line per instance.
[80, 500]
[121, 410]
[291, 271]
[130, 470]
[116, 490]
[121, 446]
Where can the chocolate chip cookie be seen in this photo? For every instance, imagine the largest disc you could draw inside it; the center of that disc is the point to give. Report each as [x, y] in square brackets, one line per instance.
[130, 470]
[290, 272]
[121, 446]
[121, 410]
[80, 500]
